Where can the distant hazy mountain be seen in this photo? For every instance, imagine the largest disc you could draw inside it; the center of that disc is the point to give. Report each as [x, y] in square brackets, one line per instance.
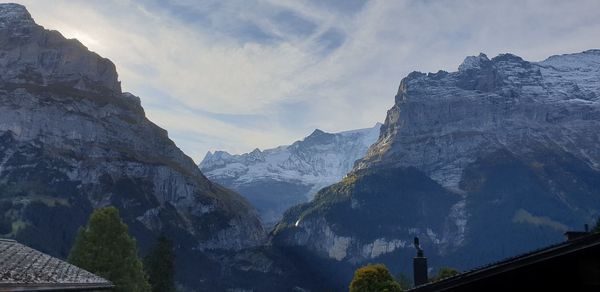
[497, 158]
[275, 179]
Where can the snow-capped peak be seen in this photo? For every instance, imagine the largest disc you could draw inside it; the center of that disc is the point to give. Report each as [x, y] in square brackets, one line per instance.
[320, 159]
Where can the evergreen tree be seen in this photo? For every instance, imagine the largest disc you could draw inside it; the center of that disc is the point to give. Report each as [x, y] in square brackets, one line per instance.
[374, 278]
[105, 248]
[160, 266]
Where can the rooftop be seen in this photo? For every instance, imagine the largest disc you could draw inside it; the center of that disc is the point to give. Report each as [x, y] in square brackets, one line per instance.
[23, 268]
[574, 244]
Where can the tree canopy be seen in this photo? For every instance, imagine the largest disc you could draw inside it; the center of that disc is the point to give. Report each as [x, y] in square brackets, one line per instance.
[596, 227]
[160, 266]
[374, 278]
[445, 272]
[404, 281]
[105, 248]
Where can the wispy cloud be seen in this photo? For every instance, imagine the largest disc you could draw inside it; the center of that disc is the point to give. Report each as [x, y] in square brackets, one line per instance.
[236, 75]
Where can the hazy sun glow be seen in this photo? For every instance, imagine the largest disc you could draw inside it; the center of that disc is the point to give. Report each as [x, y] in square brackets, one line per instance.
[84, 38]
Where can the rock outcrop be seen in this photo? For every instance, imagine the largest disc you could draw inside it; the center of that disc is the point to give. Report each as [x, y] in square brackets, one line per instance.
[35, 56]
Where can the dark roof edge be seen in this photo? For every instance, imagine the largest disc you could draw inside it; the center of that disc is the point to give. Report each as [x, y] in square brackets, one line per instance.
[512, 263]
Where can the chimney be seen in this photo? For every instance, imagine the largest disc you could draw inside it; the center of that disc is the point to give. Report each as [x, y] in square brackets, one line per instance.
[572, 235]
[419, 265]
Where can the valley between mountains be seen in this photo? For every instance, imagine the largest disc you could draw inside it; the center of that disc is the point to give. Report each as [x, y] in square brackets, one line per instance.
[494, 159]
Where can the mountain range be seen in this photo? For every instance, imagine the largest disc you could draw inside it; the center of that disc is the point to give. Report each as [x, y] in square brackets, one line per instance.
[497, 158]
[275, 179]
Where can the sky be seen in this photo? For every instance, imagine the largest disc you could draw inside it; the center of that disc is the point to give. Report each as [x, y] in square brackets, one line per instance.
[237, 75]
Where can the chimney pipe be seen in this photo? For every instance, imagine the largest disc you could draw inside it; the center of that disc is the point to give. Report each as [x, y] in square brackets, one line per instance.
[419, 265]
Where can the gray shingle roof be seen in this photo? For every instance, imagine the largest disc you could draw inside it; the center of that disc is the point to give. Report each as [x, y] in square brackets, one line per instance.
[22, 267]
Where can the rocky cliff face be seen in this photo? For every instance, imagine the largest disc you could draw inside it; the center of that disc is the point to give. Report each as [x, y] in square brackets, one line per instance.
[33, 55]
[275, 179]
[71, 141]
[442, 122]
[497, 158]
